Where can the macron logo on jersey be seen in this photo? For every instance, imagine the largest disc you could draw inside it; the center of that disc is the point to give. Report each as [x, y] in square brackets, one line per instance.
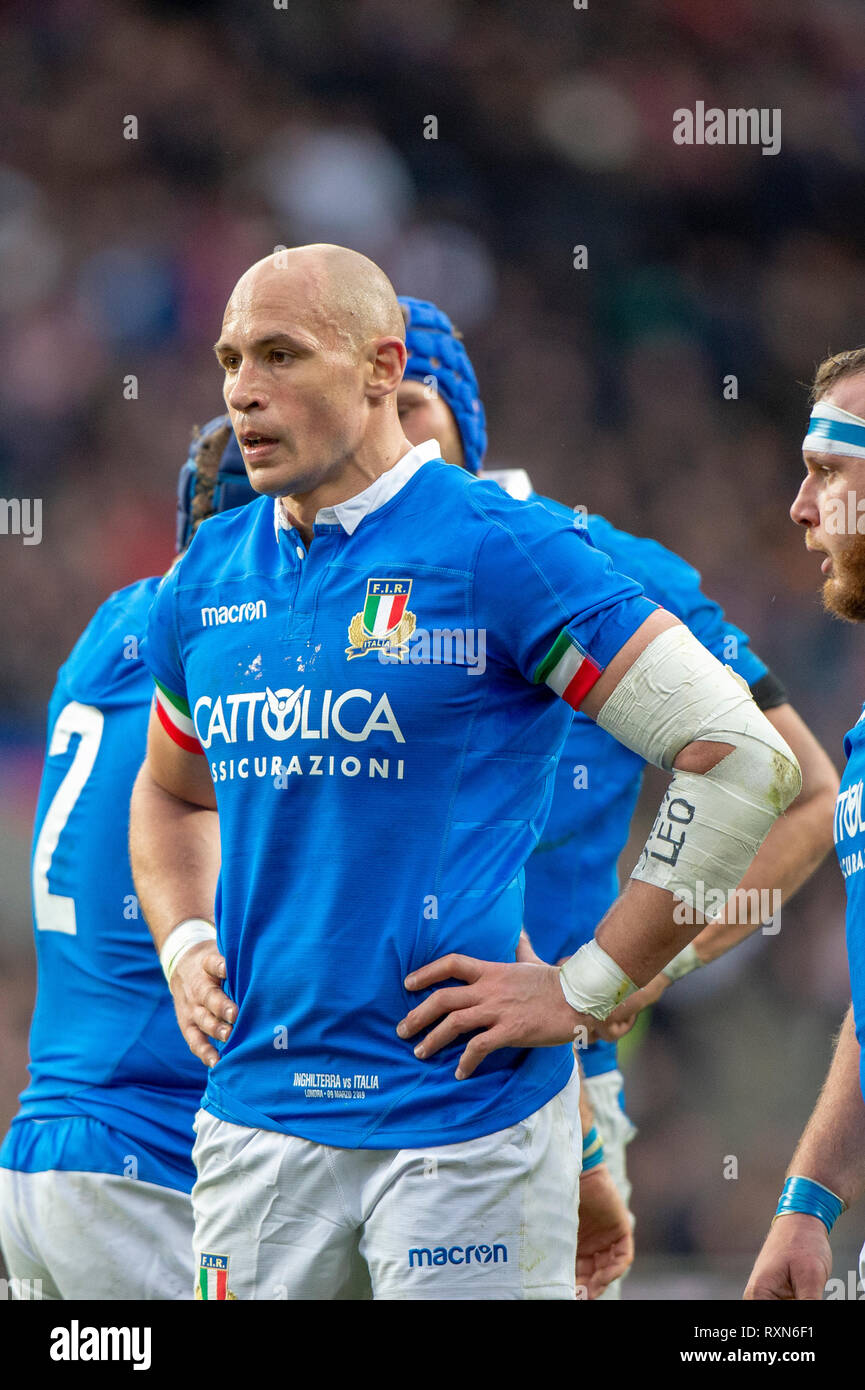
[234, 613]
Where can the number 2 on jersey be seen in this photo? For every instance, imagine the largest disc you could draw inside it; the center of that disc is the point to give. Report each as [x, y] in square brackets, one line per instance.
[52, 911]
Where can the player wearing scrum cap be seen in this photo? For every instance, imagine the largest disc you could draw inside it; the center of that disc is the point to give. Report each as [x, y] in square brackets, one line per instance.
[375, 814]
[571, 878]
[96, 1170]
[827, 1172]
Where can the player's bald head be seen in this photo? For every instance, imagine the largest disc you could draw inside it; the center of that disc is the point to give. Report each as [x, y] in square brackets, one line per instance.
[313, 350]
[339, 296]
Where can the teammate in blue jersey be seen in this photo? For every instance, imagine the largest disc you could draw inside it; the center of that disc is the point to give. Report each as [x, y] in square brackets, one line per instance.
[96, 1170]
[571, 878]
[827, 1172]
[369, 675]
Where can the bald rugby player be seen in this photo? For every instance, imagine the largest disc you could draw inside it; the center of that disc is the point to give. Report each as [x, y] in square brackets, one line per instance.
[374, 815]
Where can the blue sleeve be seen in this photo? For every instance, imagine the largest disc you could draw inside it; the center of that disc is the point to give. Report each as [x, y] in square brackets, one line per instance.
[676, 586]
[160, 648]
[552, 602]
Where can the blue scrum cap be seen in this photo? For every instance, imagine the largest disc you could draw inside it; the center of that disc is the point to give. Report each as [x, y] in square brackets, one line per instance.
[205, 487]
[435, 350]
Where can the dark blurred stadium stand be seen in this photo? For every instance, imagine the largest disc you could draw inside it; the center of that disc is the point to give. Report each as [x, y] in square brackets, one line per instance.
[260, 126]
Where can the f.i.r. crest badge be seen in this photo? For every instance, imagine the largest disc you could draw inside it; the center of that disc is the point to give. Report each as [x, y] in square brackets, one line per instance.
[213, 1278]
[385, 622]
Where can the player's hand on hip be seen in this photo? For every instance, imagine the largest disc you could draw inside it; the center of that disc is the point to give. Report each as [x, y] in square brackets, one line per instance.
[514, 1005]
[795, 1262]
[203, 1009]
[605, 1242]
[623, 1018]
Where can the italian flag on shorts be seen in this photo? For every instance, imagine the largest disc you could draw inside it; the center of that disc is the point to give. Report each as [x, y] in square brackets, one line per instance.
[568, 670]
[213, 1277]
[173, 714]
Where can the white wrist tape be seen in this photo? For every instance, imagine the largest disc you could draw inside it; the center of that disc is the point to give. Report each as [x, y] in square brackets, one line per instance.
[592, 983]
[682, 964]
[184, 936]
[711, 824]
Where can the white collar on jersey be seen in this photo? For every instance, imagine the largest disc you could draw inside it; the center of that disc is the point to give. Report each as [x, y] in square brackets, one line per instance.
[350, 514]
[515, 481]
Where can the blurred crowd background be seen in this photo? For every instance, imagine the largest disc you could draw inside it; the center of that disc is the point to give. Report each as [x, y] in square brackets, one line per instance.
[260, 126]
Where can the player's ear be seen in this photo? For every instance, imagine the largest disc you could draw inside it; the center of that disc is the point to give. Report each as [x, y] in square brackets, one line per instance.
[387, 364]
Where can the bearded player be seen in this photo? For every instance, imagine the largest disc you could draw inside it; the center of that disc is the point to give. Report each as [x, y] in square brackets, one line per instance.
[96, 1170]
[374, 816]
[827, 1173]
[571, 878]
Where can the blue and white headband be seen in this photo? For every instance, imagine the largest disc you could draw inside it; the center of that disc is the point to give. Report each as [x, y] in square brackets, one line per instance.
[835, 431]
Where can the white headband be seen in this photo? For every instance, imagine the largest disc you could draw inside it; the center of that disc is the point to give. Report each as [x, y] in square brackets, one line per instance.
[835, 431]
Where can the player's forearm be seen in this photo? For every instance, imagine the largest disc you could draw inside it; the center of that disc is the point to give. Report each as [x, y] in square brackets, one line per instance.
[733, 775]
[640, 931]
[832, 1148]
[174, 852]
[644, 930]
[642, 926]
[587, 1114]
[795, 847]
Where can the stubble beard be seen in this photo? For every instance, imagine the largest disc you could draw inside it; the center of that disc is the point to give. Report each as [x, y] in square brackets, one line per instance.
[844, 591]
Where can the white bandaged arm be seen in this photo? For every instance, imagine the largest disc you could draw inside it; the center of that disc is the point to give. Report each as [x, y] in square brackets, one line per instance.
[710, 824]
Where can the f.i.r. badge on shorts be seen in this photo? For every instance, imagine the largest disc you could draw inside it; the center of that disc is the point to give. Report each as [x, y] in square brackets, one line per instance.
[213, 1278]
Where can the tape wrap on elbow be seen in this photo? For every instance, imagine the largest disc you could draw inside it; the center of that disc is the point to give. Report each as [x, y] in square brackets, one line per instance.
[710, 824]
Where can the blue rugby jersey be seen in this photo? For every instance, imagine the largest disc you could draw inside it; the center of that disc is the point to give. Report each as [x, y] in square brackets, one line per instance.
[379, 785]
[571, 878]
[849, 827]
[104, 1043]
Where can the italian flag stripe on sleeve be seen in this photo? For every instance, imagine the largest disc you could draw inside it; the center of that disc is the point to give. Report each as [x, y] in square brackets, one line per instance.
[173, 714]
[567, 670]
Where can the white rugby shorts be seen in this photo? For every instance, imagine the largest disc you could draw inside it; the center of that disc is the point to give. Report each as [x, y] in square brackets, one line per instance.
[94, 1236]
[277, 1217]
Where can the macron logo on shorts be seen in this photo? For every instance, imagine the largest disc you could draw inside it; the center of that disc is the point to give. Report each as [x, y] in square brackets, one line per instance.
[457, 1255]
